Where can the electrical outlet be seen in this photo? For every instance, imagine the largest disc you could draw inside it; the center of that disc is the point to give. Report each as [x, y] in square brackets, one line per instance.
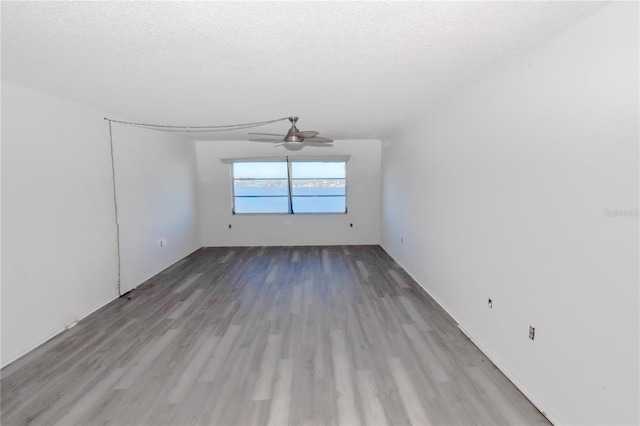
[351, 225]
[490, 304]
[229, 226]
[532, 332]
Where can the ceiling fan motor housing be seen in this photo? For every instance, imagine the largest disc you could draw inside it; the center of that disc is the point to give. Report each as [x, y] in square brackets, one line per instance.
[291, 134]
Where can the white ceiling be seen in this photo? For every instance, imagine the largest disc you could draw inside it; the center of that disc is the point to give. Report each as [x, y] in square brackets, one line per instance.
[348, 69]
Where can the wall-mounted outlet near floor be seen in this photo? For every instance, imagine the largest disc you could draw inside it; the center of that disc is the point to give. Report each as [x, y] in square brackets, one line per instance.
[229, 226]
[162, 242]
[489, 303]
[532, 332]
[351, 225]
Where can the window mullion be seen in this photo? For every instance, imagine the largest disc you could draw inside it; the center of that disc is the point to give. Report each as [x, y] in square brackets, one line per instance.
[289, 185]
[233, 191]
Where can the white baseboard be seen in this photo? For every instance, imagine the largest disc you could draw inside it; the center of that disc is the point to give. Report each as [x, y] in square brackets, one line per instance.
[532, 396]
[58, 331]
[512, 376]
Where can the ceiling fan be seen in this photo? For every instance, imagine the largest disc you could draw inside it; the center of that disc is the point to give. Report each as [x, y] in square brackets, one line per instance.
[295, 139]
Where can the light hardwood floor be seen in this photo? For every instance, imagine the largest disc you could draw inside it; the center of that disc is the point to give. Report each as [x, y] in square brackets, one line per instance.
[266, 335]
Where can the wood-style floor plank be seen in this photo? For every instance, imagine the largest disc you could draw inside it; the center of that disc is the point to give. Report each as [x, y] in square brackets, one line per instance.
[265, 335]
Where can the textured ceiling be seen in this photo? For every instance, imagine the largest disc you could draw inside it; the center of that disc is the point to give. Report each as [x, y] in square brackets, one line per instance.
[348, 69]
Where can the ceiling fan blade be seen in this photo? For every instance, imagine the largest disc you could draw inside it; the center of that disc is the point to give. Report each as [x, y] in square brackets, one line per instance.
[268, 134]
[265, 140]
[318, 144]
[319, 139]
[307, 134]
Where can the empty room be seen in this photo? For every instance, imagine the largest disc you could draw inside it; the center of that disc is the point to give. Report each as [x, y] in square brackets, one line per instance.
[300, 213]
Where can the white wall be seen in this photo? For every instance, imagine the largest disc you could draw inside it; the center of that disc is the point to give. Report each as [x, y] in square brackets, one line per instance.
[58, 232]
[502, 193]
[156, 183]
[363, 199]
[58, 239]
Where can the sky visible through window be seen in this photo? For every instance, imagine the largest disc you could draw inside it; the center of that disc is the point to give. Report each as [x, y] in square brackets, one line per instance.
[279, 170]
[260, 170]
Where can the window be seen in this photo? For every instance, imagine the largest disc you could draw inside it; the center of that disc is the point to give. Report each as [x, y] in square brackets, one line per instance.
[260, 188]
[289, 186]
[318, 187]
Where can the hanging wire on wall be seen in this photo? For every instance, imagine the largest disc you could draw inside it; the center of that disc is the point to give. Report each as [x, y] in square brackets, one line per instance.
[194, 129]
[115, 204]
[164, 128]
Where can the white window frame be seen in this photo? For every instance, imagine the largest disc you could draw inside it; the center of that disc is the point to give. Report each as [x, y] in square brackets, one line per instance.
[289, 160]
